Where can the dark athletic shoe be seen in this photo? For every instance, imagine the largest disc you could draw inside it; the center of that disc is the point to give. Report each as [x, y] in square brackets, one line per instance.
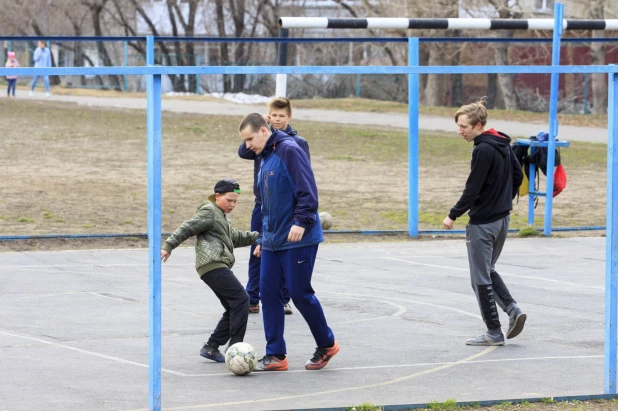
[272, 363]
[321, 357]
[517, 319]
[212, 353]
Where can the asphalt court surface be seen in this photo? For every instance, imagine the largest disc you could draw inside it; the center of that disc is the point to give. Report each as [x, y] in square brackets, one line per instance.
[74, 329]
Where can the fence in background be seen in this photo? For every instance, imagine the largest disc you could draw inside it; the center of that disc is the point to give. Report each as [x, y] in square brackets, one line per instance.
[575, 93]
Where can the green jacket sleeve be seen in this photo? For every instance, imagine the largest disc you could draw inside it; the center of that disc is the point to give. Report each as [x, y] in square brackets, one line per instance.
[244, 238]
[202, 221]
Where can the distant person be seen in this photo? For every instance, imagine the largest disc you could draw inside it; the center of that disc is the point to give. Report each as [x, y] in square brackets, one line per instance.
[291, 233]
[12, 80]
[214, 258]
[42, 58]
[494, 180]
[279, 116]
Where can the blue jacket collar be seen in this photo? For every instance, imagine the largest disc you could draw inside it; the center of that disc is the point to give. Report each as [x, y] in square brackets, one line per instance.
[276, 137]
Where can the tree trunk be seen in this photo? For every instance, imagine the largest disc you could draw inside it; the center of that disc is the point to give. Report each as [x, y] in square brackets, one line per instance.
[435, 90]
[597, 56]
[96, 11]
[224, 55]
[507, 85]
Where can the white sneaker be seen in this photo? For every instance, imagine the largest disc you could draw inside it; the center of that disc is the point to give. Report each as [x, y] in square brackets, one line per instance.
[31, 93]
[48, 95]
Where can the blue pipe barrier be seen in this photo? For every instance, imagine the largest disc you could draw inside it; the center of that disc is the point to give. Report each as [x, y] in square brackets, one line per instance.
[363, 232]
[488, 403]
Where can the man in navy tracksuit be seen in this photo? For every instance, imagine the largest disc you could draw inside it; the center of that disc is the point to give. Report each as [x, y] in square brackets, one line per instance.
[280, 112]
[291, 232]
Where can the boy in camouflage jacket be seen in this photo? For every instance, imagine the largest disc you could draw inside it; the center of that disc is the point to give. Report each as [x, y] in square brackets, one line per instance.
[214, 258]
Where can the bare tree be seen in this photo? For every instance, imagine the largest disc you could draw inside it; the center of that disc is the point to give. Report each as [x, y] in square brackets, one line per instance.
[506, 10]
[597, 55]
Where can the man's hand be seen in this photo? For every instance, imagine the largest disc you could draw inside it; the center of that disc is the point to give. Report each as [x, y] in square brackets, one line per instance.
[296, 233]
[164, 255]
[258, 251]
[448, 223]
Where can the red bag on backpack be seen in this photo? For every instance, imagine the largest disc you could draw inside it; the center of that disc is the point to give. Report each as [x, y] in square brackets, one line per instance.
[560, 180]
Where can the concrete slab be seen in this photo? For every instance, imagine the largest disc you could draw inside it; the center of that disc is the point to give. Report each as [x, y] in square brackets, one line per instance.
[74, 334]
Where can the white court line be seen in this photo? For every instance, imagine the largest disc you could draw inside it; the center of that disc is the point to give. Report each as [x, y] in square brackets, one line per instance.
[501, 273]
[182, 374]
[107, 357]
[425, 364]
[408, 301]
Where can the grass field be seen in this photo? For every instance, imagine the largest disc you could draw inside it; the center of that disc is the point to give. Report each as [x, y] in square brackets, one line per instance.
[83, 170]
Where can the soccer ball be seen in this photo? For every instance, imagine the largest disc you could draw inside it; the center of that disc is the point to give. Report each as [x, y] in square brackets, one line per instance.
[326, 220]
[241, 358]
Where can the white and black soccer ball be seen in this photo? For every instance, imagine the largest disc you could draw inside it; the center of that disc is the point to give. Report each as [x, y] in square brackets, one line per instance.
[241, 358]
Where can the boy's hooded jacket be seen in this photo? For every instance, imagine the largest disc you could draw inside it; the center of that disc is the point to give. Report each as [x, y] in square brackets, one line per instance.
[494, 180]
[289, 194]
[216, 239]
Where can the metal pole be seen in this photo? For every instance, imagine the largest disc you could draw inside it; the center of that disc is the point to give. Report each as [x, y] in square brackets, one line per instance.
[531, 197]
[358, 86]
[413, 60]
[126, 63]
[611, 237]
[586, 110]
[282, 79]
[198, 86]
[153, 119]
[553, 117]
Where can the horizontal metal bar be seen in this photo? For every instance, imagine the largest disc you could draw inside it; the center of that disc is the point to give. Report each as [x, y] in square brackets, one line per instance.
[364, 232]
[398, 23]
[60, 39]
[524, 142]
[161, 70]
[537, 193]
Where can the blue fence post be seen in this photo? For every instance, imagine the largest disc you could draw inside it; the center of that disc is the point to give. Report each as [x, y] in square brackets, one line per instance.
[413, 52]
[198, 86]
[586, 109]
[358, 86]
[553, 117]
[126, 63]
[531, 197]
[611, 237]
[153, 119]
[10, 45]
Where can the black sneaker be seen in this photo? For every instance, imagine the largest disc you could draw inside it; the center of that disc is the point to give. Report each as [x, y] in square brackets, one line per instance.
[212, 353]
[517, 319]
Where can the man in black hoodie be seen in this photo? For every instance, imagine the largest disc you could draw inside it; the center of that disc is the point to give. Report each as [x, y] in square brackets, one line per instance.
[494, 180]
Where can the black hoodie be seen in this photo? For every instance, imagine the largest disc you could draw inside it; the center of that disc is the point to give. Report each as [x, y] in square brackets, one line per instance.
[494, 180]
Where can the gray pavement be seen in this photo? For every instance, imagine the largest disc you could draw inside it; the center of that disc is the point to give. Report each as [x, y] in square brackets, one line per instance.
[396, 120]
[74, 329]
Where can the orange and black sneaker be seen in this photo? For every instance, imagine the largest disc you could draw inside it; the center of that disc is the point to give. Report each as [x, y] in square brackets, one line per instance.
[322, 356]
[272, 363]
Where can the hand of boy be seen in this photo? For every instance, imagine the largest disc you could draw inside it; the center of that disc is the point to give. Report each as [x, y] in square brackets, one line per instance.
[258, 251]
[448, 223]
[164, 255]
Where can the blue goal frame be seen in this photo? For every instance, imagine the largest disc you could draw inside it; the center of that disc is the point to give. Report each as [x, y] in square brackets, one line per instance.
[153, 96]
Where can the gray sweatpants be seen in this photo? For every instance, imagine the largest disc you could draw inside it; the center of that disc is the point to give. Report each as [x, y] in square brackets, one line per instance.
[484, 243]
